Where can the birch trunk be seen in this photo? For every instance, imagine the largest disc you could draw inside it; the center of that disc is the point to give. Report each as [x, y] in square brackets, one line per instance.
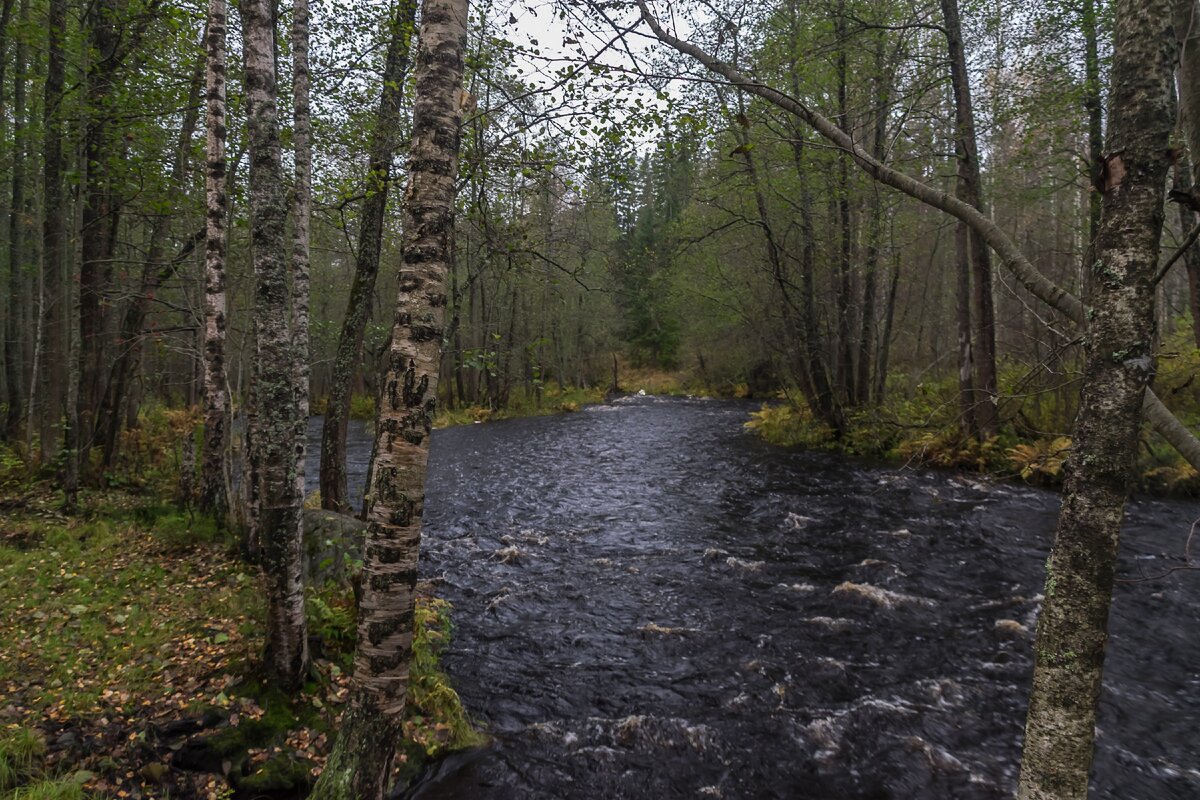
[366, 267]
[301, 218]
[361, 761]
[214, 459]
[280, 517]
[1118, 367]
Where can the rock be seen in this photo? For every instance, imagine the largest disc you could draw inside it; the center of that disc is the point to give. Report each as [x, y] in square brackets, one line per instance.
[1010, 627]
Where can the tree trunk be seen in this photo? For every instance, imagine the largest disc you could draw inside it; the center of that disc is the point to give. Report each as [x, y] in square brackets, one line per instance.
[845, 348]
[1118, 366]
[1187, 34]
[301, 220]
[884, 347]
[360, 765]
[281, 519]
[366, 267]
[1093, 103]
[214, 459]
[100, 219]
[882, 93]
[154, 274]
[813, 367]
[967, 396]
[970, 191]
[54, 241]
[17, 237]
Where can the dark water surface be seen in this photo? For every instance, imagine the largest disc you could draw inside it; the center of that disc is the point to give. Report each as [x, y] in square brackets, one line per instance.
[649, 603]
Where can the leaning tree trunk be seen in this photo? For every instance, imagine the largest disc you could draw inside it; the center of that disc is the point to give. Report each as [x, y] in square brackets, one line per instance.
[214, 459]
[361, 762]
[366, 267]
[280, 515]
[1118, 366]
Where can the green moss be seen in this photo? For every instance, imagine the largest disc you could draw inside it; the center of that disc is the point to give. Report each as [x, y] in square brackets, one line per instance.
[436, 719]
[283, 774]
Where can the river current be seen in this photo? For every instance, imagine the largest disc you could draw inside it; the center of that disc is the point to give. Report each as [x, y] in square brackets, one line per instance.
[650, 603]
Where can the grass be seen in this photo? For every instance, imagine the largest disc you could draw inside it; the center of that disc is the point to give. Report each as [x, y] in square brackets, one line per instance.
[64, 789]
[554, 400]
[132, 616]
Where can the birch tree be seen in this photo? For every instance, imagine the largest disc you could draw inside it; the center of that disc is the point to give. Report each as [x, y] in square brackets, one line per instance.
[280, 516]
[214, 496]
[1118, 367]
[301, 220]
[359, 767]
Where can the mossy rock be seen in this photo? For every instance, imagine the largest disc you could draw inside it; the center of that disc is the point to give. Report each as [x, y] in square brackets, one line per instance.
[282, 776]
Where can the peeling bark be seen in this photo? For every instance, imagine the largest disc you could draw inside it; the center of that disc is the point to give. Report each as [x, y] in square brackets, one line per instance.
[361, 762]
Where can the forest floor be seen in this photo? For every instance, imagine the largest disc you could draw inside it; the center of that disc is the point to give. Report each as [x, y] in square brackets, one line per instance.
[131, 636]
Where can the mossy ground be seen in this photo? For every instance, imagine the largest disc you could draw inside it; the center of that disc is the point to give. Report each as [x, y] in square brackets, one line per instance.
[131, 639]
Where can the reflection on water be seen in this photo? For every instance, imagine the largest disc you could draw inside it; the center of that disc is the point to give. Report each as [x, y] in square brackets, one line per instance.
[651, 603]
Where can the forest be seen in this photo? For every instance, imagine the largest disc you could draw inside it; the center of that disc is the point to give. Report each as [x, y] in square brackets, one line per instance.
[432, 399]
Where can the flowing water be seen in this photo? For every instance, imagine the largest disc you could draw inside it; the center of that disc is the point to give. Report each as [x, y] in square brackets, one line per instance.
[649, 603]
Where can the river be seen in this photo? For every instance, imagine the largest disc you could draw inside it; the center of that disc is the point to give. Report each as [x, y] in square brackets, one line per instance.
[651, 603]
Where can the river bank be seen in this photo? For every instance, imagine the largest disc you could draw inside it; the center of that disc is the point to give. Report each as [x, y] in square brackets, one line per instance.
[923, 431]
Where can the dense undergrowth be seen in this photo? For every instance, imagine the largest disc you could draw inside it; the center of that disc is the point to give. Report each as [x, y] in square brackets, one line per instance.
[919, 424]
[132, 634]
